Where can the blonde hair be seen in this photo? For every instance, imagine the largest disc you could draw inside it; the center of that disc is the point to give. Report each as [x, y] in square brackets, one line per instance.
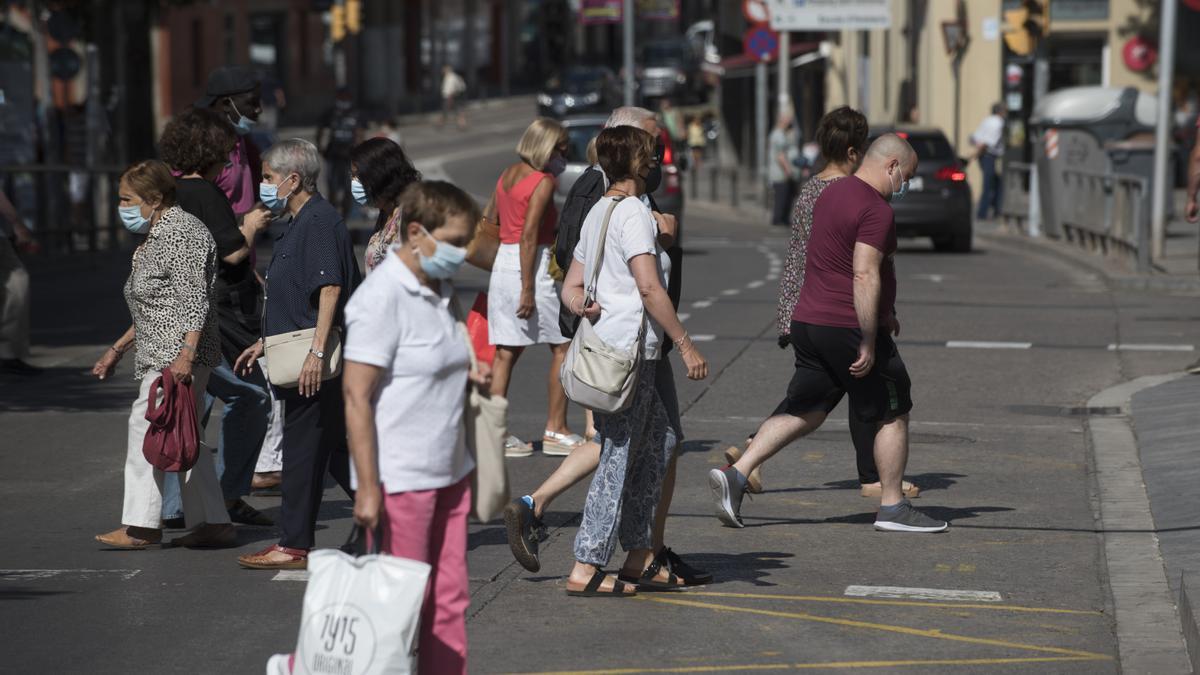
[592, 157]
[539, 140]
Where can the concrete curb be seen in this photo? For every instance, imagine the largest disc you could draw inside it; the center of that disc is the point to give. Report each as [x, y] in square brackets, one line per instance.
[1114, 278]
[1149, 638]
[1191, 629]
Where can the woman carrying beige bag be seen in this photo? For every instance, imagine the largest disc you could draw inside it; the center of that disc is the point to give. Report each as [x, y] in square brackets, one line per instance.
[405, 381]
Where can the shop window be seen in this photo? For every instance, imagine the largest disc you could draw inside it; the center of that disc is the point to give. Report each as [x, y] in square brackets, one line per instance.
[1076, 62]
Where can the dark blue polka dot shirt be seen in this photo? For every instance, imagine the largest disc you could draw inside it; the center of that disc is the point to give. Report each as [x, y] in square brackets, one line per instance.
[315, 251]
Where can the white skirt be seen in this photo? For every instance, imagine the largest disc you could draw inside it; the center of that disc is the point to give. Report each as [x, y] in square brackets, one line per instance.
[504, 296]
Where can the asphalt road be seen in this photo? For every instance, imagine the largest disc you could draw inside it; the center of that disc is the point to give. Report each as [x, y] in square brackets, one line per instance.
[997, 445]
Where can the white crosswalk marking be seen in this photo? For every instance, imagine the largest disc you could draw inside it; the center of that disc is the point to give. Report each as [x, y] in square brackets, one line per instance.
[39, 575]
[290, 575]
[972, 344]
[1134, 347]
[921, 593]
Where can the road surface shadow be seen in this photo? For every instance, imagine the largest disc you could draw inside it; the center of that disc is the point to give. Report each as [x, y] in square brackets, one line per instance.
[926, 481]
[752, 568]
[68, 389]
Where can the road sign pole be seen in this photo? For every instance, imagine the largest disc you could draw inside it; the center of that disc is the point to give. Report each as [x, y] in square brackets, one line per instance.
[1162, 128]
[627, 47]
[760, 118]
[785, 72]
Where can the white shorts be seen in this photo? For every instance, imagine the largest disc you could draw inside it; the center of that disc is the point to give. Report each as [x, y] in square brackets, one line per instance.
[504, 296]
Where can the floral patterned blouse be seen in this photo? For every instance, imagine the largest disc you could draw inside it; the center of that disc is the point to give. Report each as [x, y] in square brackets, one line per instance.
[793, 268]
[381, 242]
[169, 292]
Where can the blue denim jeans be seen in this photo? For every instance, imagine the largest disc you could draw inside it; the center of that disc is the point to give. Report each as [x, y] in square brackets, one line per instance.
[247, 411]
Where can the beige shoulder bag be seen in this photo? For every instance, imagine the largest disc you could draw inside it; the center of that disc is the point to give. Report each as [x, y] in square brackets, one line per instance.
[286, 352]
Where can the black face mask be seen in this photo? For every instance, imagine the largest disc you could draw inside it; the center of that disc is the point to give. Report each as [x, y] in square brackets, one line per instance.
[654, 177]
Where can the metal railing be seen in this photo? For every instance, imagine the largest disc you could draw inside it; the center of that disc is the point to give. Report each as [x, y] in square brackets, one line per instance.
[70, 208]
[1106, 213]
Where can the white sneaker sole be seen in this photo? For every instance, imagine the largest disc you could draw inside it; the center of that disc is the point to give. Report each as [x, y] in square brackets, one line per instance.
[888, 526]
[720, 488]
[518, 453]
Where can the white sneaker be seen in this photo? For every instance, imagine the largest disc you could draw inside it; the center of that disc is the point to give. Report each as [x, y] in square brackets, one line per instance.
[515, 447]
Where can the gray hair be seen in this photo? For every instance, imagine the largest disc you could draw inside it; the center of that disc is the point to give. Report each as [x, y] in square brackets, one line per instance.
[628, 116]
[298, 156]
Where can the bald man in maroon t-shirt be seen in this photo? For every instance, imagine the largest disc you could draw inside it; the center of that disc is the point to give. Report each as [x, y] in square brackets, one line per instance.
[841, 333]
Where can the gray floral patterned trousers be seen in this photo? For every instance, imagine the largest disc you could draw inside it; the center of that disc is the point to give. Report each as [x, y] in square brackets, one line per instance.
[635, 448]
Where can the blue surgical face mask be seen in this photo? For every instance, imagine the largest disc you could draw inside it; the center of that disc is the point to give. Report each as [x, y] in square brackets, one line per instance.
[446, 260]
[244, 125]
[269, 194]
[898, 194]
[358, 191]
[134, 221]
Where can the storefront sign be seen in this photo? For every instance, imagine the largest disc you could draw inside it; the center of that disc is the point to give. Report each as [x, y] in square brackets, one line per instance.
[600, 11]
[823, 15]
[657, 10]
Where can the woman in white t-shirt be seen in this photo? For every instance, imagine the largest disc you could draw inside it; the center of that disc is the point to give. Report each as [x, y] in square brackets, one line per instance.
[636, 444]
[406, 378]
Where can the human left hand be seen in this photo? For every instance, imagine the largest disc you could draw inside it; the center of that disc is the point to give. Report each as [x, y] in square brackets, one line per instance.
[481, 375]
[310, 376]
[181, 367]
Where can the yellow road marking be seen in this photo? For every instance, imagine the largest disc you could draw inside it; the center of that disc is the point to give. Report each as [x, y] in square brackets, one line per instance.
[904, 630]
[900, 603]
[817, 666]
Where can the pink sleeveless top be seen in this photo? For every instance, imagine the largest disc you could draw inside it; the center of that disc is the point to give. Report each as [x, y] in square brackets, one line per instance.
[511, 206]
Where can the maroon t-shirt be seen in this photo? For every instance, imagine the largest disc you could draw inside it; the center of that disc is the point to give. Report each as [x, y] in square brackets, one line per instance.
[847, 212]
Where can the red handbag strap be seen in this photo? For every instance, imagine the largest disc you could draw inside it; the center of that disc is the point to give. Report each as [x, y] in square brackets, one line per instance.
[157, 414]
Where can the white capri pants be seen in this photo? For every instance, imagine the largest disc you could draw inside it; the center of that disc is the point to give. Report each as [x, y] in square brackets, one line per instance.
[202, 500]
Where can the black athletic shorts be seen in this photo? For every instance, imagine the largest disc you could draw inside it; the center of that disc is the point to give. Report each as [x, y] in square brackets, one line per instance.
[822, 377]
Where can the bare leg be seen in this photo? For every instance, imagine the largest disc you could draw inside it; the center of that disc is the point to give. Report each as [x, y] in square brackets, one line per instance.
[664, 507]
[891, 455]
[582, 573]
[556, 418]
[776, 433]
[502, 367]
[575, 467]
[591, 424]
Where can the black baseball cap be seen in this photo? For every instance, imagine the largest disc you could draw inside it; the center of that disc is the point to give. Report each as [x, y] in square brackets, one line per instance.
[227, 81]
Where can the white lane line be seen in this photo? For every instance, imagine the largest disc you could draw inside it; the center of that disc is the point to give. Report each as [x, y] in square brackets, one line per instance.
[684, 316]
[921, 593]
[703, 338]
[972, 344]
[290, 575]
[772, 277]
[755, 284]
[38, 575]
[935, 278]
[1133, 347]
[730, 291]
[701, 304]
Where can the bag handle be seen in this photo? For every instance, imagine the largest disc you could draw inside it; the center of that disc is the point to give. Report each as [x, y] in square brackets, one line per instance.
[154, 411]
[361, 543]
[590, 291]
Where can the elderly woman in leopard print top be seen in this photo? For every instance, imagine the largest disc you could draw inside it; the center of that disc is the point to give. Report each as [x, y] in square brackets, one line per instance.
[169, 293]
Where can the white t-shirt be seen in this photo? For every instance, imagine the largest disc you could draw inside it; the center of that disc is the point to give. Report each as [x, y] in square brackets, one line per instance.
[991, 134]
[395, 323]
[631, 232]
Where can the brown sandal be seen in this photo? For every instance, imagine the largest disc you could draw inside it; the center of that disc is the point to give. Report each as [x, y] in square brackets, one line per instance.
[260, 561]
[123, 538]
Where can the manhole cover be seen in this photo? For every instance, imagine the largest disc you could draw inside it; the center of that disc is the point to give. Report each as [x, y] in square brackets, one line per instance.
[1065, 411]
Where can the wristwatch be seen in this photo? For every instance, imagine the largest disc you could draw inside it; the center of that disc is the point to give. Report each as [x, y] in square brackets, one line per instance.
[319, 355]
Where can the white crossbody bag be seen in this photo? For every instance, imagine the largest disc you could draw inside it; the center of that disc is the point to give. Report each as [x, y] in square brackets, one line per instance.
[595, 374]
[286, 353]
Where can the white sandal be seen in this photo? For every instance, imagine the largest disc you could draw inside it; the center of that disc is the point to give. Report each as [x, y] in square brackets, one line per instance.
[515, 447]
[560, 445]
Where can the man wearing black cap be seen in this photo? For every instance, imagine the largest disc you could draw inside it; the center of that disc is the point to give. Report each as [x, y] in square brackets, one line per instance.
[235, 92]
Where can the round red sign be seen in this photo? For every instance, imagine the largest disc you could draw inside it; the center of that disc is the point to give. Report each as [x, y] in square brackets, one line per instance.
[1139, 55]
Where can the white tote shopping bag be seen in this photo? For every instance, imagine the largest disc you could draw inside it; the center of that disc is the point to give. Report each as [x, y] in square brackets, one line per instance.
[361, 615]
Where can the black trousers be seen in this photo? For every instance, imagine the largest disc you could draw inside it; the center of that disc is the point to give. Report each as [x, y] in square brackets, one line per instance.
[314, 441]
[862, 435]
[781, 205]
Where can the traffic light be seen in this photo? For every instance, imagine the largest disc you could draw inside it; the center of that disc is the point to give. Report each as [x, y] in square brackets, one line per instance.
[353, 16]
[1025, 25]
[337, 22]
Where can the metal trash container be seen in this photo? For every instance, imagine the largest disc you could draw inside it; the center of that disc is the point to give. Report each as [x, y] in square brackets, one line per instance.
[1075, 130]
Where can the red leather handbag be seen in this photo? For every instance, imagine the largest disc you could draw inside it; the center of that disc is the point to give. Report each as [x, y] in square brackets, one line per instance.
[173, 441]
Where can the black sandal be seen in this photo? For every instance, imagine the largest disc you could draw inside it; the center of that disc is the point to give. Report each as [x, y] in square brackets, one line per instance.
[592, 590]
[648, 582]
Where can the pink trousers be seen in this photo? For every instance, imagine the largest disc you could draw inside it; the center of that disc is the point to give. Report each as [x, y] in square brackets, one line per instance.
[431, 526]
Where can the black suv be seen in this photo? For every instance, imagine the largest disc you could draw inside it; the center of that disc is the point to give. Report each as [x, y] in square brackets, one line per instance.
[938, 202]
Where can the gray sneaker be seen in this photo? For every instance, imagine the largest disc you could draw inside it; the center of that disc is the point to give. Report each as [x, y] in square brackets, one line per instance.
[907, 519]
[728, 491]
